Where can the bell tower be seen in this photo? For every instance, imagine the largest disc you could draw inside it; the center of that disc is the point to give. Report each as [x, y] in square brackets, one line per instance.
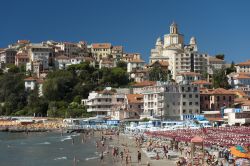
[173, 28]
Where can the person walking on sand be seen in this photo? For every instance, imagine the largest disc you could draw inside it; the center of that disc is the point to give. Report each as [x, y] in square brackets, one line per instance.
[102, 158]
[139, 157]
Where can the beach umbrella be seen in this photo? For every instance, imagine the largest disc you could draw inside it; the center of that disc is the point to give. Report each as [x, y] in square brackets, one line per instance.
[239, 151]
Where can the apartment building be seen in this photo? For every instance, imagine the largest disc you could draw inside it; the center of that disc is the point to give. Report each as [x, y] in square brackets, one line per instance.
[41, 53]
[21, 59]
[101, 50]
[106, 103]
[187, 77]
[243, 67]
[7, 56]
[171, 101]
[215, 99]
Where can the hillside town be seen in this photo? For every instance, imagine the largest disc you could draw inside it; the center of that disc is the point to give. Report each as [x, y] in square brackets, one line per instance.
[179, 82]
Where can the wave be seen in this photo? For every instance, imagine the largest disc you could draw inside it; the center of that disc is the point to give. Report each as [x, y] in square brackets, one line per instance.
[75, 135]
[91, 158]
[44, 143]
[66, 138]
[61, 158]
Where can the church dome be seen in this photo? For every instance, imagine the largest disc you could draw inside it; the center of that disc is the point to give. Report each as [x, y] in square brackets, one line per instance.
[158, 41]
[173, 24]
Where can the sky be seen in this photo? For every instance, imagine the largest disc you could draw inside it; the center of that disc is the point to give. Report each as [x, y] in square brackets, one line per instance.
[220, 26]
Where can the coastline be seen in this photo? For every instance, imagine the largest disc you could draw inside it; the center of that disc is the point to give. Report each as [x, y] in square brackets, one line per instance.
[14, 126]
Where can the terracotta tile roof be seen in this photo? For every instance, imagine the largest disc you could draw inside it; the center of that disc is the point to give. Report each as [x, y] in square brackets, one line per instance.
[218, 91]
[117, 48]
[22, 55]
[135, 98]
[144, 83]
[242, 76]
[23, 41]
[101, 45]
[240, 100]
[62, 57]
[136, 60]
[30, 79]
[246, 103]
[189, 74]
[163, 64]
[247, 63]
[238, 92]
[214, 59]
[202, 82]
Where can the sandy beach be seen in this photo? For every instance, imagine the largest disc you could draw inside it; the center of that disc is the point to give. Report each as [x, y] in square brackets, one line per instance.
[131, 145]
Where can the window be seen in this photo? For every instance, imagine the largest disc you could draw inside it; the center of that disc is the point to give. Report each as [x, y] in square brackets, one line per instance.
[184, 111]
[196, 96]
[190, 111]
[184, 96]
[188, 89]
[195, 89]
[196, 103]
[130, 106]
[218, 98]
[230, 98]
[190, 103]
[183, 89]
[190, 96]
[224, 97]
[184, 103]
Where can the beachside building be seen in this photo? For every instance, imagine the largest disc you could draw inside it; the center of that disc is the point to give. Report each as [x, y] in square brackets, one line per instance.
[180, 57]
[215, 99]
[106, 103]
[171, 101]
[133, 106]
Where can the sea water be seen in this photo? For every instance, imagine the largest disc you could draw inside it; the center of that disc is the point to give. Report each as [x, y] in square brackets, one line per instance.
[47, 149]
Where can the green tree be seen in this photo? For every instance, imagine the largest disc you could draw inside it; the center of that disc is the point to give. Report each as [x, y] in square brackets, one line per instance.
[231, 69]
[12, 93]
[59, 86]
[122, 64]
[157, 74]
[220, 56]
[220, 79]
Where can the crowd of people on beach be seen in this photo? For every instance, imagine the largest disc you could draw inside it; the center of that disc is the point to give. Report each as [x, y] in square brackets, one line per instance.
[177, 144]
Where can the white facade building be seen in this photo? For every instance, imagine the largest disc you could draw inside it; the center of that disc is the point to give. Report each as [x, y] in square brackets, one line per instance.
[243, 67]
[171, 101]
[41, 53]
[105, 103]
[181, 58]
[237, 80]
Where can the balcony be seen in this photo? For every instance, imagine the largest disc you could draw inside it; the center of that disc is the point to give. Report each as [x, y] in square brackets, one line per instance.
[98, 103]
[98, 109]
